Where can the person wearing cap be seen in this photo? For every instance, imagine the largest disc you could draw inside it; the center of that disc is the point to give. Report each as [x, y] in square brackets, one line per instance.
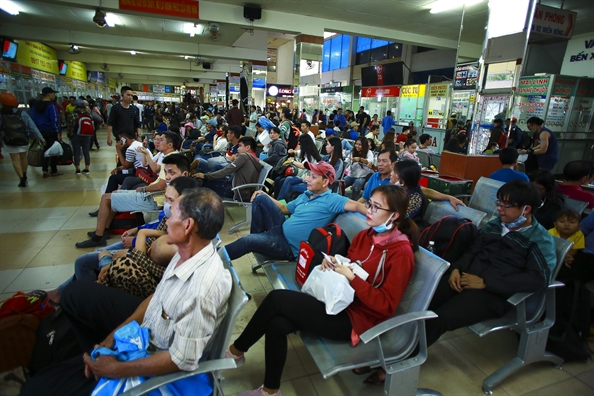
[123, 116]
[275, 237]
[515, 134]
[45, 115]
[9, 113]
[80, 141]
[354, 131]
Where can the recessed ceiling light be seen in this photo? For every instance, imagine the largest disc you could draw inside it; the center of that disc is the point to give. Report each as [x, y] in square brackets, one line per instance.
[9, 7]
[110, 19]
[132, 52]
[74, 49]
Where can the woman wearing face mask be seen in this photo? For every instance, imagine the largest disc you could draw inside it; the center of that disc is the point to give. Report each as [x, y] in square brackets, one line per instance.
[89, 265]
[385, 251]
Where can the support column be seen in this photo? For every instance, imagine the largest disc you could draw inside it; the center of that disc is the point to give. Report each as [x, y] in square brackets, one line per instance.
[308, 73]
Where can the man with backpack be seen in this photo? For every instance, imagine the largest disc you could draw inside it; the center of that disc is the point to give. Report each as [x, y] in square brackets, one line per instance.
[82, 129]
[45, 115]
[275, 237]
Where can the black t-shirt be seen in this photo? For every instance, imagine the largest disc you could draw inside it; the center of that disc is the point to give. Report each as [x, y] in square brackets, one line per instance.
[453, 146]
[364, 117]
[121, 118]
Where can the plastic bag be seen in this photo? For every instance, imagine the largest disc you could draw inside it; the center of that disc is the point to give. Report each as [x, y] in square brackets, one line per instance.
[331, 288]
[55, 151]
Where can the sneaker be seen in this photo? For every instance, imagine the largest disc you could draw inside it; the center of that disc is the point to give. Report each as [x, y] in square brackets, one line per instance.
[258, 392]
[77, 172]
[23, 182]
[239, 360]
[85, 171]
[91, 243]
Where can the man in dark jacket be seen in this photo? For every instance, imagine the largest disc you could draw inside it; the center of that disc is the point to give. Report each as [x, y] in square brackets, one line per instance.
[246, 169]
[511, 254]
[47, 119]
[277, 149]
[235, 115]
[497, 131]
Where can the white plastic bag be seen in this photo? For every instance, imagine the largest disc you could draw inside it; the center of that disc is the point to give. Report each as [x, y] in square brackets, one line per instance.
[55, 151]
[331, 288]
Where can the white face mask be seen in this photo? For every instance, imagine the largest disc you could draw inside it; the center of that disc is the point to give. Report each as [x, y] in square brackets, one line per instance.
[123, 140]
[167, 209]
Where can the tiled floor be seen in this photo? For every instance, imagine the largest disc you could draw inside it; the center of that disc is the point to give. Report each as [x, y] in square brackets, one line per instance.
[40, 224]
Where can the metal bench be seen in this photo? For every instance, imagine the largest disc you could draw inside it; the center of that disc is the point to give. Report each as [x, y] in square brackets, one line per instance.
[213, 361]
[391, 344]
[266, 168]
[575, 205]
[438, 209]
[532, 317]
[424, 158]
[484, 195]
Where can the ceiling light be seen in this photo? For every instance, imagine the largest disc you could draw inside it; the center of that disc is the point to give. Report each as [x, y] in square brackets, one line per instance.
[132, 52]
[9, 7]
[329, 34]
[445, 5]
[186, 57]
[110, 19]
[74, 49]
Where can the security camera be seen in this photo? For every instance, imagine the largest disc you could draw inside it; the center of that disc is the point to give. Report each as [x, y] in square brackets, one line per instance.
[99, 18]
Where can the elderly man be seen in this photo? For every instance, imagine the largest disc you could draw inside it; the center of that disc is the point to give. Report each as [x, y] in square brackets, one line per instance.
[181, 315]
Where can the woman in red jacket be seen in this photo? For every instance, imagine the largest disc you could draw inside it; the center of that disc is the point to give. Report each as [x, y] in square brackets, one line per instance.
[385, 251]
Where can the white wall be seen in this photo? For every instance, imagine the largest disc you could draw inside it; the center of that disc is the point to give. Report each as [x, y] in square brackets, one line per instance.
[340, 75]
[285, 64]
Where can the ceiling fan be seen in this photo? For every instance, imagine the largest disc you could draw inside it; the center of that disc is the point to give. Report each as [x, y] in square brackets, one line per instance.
[104, 67]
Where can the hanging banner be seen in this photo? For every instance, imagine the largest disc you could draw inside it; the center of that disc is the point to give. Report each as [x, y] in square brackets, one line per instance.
[76, 70]
[37, 56]
[176, 8]
[553, 21]
[534, 86]
[578, 59]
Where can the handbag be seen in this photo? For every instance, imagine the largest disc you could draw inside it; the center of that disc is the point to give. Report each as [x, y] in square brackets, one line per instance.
[66, 158]
[35, 154]
[331, 288]
[146, 175]
[55, 150]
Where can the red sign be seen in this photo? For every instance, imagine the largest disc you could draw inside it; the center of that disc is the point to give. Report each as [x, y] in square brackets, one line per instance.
[178, 8]
[370, 92]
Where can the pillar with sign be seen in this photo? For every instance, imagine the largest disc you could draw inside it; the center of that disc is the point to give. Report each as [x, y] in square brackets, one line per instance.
[308, 69]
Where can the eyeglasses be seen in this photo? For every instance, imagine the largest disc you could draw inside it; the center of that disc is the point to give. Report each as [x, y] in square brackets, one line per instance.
[374, 207]
[501, 205]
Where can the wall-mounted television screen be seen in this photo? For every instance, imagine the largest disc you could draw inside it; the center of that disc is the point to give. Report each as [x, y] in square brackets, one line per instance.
[9, 50]
[62, 66]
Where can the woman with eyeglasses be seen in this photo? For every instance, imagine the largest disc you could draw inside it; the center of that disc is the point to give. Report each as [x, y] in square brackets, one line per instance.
[384, 250]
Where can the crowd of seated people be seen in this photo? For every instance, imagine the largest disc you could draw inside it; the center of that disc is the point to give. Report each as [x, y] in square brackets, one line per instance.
[168, 270]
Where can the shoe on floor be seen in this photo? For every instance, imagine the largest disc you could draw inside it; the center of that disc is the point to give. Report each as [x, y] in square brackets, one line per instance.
[239, 360]
[46, 175]
[23, 182]
[91, 243]
[77, 172]
[57, 174]
[258, 392]
[94, 214]
[85, 171]
[91, 234]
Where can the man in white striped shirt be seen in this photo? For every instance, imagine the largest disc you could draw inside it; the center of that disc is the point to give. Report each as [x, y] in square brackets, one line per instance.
[182, 314]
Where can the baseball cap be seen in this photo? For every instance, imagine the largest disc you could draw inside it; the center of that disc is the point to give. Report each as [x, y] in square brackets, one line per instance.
[514, 119]
[354, 124]
[212, 122]
[322, 168]
[48, 90]
[188, 124]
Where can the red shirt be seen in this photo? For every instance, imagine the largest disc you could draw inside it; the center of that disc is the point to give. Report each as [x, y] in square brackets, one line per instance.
[576, 192]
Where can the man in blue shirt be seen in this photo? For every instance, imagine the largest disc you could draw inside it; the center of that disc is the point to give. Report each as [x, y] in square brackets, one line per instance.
[388, 122]
[385, 160]
[340, 117]
[275, 237]
[509, 163]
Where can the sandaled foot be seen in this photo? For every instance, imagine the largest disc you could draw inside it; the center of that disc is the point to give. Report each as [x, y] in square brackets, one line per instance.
[376, 378]
[361, 370]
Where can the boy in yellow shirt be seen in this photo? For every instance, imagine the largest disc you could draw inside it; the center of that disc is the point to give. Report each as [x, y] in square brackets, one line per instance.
[567, 226]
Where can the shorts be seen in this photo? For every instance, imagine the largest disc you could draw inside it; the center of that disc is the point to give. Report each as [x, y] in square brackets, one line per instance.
[132, 201]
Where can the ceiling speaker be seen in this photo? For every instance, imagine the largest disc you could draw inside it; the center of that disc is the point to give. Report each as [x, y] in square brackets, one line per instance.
[206, 66]
[196, 79]
[253, 12]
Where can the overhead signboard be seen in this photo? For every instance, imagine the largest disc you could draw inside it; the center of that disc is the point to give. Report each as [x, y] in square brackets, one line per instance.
[553, 21]
[466, 76]
[579, 56]
[387, 92]
[177, 8]
[534, 86]
[37, 56]
[76, 70]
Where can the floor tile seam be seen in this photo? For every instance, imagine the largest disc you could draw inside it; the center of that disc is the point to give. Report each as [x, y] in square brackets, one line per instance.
[576, 376]
[8, 285]
[467, 358]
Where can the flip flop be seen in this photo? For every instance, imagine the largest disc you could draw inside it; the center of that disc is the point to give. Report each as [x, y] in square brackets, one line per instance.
[374, 379]
[361, 370]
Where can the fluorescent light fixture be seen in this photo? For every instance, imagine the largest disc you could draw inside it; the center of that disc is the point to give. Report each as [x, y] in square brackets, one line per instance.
[192, 29]
[111, 19]
[9, 7]
[186, 57]
[515, 22]
[329, 34]
[132, 52]
[446, 5]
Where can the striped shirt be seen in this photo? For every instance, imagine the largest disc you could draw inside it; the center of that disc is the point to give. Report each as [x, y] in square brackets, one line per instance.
[188, 304]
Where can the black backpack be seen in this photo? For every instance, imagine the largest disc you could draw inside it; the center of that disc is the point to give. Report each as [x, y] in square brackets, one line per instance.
[15, 131]
[329, 239]
[452, 236]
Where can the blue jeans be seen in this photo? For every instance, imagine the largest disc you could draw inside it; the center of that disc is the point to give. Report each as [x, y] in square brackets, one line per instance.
[292, 183]
[87, 266]
[357, 184]
[266, 233]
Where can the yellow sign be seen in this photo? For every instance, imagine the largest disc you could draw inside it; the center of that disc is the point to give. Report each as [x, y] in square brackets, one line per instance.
[412, 91]
[37, 56]
[435, 113]
[112, 83]
[76, 70]
[438, 90]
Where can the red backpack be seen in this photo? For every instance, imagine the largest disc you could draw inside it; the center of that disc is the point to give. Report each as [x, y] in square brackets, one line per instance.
[84, 125]
[35, 302]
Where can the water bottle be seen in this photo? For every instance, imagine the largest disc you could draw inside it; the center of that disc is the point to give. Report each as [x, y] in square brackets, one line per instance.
[431, 246]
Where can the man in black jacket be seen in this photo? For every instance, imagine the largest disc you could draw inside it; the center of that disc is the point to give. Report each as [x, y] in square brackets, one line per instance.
[511, 254]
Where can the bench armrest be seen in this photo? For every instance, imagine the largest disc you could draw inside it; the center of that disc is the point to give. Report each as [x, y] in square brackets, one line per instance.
[519, 297]
[157, 382]
[249, 185]
[394, 322]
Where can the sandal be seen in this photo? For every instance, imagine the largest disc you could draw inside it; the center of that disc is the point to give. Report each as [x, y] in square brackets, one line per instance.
[374, 379]
[361, 370]
[57, 174]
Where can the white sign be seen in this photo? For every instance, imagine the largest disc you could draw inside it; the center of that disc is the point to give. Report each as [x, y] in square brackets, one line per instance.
[553, 21]
[579, 57]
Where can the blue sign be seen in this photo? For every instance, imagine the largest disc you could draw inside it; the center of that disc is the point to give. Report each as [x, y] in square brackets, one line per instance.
[168, 89]
[259, 83]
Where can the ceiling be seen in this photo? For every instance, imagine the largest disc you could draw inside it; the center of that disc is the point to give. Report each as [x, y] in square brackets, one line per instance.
[161, 43]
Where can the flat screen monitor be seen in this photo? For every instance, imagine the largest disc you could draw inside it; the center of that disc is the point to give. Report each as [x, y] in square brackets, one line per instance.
[9, 50]
[63, 66]
[382, 75]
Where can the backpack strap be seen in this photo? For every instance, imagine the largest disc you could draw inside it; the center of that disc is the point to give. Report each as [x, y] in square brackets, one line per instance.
[454, 236]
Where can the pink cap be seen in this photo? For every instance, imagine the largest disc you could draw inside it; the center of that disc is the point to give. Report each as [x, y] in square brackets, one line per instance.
[322, 168]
